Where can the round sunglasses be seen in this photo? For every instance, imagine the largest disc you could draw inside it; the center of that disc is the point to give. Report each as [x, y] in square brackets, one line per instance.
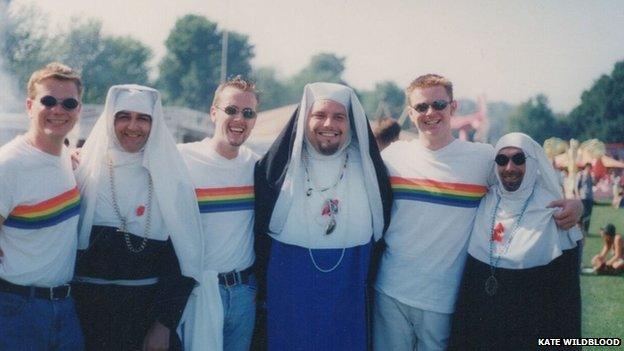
[233, 110]
[50, 101]
[518, 159]
[437, 105]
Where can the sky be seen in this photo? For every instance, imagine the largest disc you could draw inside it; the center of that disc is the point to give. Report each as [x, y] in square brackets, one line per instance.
[507, 50]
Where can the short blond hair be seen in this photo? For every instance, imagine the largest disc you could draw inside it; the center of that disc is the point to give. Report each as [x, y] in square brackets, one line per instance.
[239, 83]
[54, 70]
[427, 81]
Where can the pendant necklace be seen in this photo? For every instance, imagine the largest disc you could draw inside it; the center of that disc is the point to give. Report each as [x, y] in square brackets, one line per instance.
[330, 206]
[491, 283]
[330, 209]
[123, 227]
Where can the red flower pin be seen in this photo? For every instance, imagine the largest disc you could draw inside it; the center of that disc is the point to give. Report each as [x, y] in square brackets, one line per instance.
[140, 211]
[330, 207]
[498, 232]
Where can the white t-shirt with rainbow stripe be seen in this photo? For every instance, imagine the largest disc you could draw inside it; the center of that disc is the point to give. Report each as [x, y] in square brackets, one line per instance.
[40, 203]
[436, 196]
[225, 195]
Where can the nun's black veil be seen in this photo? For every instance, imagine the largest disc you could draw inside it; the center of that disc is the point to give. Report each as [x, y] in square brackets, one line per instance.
[269, 176]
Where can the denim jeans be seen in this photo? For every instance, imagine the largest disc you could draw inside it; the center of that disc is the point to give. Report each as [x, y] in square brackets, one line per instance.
[28, 323]
[399, 327]
[239, 311]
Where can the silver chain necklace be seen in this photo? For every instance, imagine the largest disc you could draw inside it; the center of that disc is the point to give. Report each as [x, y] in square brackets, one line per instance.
[123, 228]
[491, 283]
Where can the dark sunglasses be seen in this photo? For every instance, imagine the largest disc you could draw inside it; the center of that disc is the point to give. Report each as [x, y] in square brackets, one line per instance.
[437, 105]
[518, 159]
[68, 104]
[233, 110]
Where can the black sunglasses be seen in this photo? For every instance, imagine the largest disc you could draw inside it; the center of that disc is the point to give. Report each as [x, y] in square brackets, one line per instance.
[437, 105]
[50, 101]
[518, 159]
[233, 110]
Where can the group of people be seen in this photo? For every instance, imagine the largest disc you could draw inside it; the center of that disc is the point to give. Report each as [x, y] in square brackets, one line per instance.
[431, 244]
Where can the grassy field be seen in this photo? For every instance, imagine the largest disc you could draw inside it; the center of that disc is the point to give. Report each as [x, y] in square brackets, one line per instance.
[603, 296]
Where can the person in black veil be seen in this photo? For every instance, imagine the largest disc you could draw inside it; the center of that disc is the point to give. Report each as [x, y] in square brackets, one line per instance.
[323, 201]
[521, 279]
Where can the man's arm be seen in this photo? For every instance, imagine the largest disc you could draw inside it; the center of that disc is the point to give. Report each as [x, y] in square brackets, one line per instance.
[571, 212]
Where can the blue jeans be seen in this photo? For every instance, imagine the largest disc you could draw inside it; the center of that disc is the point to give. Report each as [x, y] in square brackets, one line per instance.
[239, 312]
[28, 323]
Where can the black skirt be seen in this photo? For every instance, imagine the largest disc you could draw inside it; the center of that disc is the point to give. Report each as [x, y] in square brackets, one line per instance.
[540, 302]
[118, 317]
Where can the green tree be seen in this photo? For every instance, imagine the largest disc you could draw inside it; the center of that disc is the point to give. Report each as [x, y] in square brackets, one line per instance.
[25, 43]
[535, 118]
[601, 111]
[387, 99]
[273, 92]
[79, 45]
[102, 60]
[120, 60]
[191, 68]
[323, 67]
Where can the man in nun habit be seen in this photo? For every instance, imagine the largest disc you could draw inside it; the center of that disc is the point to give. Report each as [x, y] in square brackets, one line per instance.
[322, 201]
[140, 235]
[521, 280]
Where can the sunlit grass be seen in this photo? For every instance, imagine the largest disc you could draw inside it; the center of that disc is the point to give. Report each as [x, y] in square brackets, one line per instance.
[603, 296]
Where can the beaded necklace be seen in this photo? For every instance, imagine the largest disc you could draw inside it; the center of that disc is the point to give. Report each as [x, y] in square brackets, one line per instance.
[330, 204]
[491, 284]
[123, 228]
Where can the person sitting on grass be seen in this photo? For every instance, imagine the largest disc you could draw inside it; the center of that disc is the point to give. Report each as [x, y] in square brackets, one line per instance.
[612, 242]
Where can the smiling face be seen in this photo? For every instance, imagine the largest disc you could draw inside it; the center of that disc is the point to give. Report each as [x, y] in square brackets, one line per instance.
[434, 127]
[52, 123]
[132, 129]
[511, 174]
[328, 126]
[231, 131]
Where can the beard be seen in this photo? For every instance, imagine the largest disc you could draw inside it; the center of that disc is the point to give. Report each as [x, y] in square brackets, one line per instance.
[328, 149]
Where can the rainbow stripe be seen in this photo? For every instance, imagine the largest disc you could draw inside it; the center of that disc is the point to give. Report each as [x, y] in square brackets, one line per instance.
[238, 198]
[425, 190]
[47, 213]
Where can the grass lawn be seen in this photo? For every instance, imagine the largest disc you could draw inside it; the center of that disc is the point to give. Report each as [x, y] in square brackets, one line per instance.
[603, 296]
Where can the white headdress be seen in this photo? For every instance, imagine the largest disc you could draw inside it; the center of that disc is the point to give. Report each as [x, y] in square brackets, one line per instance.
[173, 188]
[294, 187]
[536, 240]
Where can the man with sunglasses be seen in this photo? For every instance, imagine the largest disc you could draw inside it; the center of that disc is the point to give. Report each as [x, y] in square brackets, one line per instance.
[39, 206]
[222, 170]
[438, 182]
[521, 280]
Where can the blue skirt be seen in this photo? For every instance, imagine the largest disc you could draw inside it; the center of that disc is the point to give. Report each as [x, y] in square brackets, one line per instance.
[308, 309]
